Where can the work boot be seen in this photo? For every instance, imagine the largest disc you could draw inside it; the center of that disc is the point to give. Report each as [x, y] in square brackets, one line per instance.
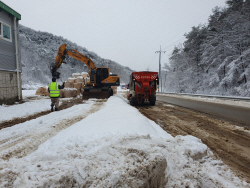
[52, 108]
[56, 109]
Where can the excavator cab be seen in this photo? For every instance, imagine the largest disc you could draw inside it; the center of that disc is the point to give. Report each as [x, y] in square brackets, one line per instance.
[101, 77]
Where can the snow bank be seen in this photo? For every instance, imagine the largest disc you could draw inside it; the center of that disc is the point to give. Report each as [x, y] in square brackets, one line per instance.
[117, 147]
[118, 118]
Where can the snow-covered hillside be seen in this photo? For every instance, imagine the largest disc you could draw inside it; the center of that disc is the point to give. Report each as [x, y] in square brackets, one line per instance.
[38, 52]
[214, 58]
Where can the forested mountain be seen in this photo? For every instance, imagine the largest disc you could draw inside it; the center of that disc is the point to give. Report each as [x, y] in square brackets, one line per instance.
[215, 58]
[38, 52]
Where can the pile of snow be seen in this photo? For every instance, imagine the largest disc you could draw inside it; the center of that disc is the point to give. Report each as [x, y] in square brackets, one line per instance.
[117, 147]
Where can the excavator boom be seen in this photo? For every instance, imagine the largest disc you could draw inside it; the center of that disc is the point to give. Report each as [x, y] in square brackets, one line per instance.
[62, 52]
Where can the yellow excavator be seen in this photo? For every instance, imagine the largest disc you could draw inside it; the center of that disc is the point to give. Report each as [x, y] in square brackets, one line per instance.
[100, 78]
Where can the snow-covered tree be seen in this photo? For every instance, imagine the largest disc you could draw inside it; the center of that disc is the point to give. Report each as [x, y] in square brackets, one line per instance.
[215, 57]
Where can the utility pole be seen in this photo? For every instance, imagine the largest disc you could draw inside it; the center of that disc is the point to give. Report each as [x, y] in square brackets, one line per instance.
[160, 67]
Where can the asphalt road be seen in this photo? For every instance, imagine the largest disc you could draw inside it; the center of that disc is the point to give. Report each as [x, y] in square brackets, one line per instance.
[236, 114]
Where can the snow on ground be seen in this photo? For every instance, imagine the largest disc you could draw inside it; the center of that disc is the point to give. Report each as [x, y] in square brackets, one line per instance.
[44, 122]
[114, 147]
[29, 107]
[25, 109]
[212, 100]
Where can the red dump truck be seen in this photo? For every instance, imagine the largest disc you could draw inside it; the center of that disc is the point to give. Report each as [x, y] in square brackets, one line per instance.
[142, 87]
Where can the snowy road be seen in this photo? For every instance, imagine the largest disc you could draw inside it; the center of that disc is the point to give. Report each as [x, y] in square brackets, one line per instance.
[105, 144]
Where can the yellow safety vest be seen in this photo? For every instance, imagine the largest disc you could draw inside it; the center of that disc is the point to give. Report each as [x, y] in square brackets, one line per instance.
[54, 89]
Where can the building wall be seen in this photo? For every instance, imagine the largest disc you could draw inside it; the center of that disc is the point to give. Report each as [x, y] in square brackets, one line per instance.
[7, 48]
[8, 87]
[8, 69]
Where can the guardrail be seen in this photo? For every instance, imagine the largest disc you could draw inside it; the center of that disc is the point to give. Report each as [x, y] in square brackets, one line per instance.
[211, 96]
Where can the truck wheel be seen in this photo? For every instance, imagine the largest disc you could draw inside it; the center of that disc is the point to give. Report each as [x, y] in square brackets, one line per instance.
[131, 101]
[152, 103]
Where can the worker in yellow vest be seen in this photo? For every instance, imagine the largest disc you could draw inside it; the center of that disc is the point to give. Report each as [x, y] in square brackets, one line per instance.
[54, 90]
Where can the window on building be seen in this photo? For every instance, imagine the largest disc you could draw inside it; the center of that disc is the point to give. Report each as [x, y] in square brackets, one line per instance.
[5, 31]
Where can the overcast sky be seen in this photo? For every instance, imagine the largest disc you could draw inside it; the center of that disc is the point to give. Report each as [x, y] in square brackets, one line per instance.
[126, 31]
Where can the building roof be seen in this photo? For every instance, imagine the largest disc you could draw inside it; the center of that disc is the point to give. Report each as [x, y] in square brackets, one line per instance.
[9, 10]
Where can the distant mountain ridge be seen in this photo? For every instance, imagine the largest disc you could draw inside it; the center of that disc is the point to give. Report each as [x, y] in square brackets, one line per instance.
[38, 52]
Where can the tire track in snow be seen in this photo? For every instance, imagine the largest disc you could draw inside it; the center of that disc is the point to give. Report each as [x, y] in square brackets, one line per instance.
[22, 145]
[65, 104]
